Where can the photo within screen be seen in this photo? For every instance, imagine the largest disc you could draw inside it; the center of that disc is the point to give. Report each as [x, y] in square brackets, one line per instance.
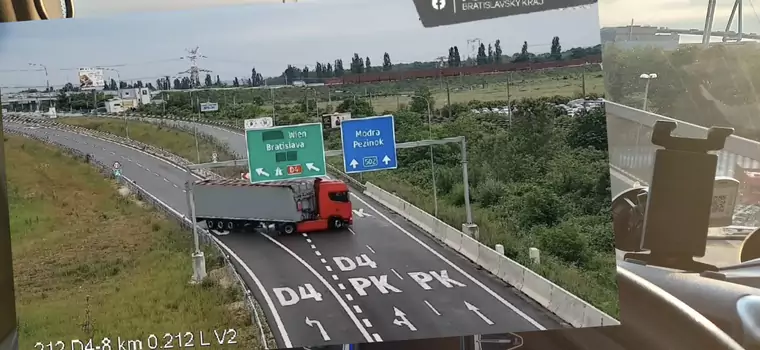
[353, 179]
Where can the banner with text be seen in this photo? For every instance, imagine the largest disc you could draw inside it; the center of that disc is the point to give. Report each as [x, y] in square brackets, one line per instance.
[209, 107]
[91, 78]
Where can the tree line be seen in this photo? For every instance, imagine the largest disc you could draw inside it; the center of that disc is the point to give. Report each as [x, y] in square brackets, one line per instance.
[487, 53]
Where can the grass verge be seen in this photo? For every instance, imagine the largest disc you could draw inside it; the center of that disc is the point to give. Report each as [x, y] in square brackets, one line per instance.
[163, 136]
[91, 263]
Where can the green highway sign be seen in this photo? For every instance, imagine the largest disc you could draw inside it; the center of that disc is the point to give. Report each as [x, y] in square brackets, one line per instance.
[285, 152]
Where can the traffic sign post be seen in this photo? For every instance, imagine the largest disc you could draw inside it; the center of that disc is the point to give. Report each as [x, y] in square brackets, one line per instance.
[369, 144]
[259, 123]
[285, 152]
[116, 169]
[214, 157]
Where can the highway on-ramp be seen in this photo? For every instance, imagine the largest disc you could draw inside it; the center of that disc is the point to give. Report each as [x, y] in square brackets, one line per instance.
[383, 280]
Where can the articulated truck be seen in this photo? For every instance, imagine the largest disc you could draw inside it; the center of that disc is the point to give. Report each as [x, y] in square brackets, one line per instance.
[292, 206]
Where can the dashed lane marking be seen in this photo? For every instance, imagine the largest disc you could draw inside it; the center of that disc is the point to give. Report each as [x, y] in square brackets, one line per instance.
[341, 286]
[432, 308]
[343, 304]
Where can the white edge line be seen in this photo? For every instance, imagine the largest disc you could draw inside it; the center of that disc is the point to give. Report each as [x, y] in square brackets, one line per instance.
[457, 268]
[332, 290]
[259, 285]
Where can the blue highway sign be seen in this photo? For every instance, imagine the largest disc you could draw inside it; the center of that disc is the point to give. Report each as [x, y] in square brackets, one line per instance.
[369, 144]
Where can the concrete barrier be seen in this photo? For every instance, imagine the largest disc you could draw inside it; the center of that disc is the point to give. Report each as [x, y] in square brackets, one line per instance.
[554, 298]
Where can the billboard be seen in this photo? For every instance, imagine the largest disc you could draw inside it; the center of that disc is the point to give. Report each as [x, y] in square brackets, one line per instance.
[91, 78]
[209, 107]
[332, 121]
[434, 13]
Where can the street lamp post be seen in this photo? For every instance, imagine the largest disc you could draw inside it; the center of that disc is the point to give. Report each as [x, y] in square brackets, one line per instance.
[118, 93]
[47, 81]
[648, 77]
[274, 117]
[432, 159]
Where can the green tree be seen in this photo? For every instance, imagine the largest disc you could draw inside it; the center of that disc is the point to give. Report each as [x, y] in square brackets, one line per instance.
[367, 65]
[589, 129]
[457, 57]
[420, 100]
[482, 57]
[358, 107]
[556, 49]
[497, 51]
[491, 58]
[208, 80]
[387, 65]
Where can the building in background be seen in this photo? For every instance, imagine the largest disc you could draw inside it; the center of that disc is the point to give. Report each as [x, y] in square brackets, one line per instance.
[114, 106]
[141, 95]
[629, 37]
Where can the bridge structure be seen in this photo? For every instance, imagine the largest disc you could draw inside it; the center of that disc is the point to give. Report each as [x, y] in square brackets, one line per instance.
[19, 102]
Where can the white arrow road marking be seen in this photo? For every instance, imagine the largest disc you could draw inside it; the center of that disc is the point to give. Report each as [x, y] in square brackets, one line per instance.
[322, 331]
[358, 213]
[402, 320]
[310, 166]
[474, 309]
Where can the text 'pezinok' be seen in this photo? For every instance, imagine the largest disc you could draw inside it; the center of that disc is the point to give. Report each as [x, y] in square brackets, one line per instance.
[376, 142]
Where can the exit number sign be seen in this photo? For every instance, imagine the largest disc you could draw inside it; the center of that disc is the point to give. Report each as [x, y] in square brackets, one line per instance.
[294, 169]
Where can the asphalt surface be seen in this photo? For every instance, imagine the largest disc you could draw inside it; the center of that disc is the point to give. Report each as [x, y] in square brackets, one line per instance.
[363, 304]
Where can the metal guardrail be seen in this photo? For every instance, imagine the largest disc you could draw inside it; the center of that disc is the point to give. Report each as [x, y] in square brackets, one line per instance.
[258, 317]
[737, 149]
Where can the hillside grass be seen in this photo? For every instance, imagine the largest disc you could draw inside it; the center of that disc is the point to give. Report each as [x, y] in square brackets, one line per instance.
[176, 141]
[540, 86]
[90, 263]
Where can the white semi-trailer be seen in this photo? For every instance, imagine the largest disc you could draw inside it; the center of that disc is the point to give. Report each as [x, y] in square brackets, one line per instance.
[292, 206]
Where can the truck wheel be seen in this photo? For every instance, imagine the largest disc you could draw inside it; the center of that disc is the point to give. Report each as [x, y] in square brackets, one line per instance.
[336, 223]
[289, 229]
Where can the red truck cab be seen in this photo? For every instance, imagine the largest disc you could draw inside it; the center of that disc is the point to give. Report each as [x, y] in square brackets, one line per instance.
[333, 204]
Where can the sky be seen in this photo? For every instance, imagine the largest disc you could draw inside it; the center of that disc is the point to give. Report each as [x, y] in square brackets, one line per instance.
[268, 36]
[145, 44]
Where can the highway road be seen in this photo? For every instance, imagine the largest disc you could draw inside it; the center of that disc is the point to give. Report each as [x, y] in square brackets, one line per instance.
[383, 280]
